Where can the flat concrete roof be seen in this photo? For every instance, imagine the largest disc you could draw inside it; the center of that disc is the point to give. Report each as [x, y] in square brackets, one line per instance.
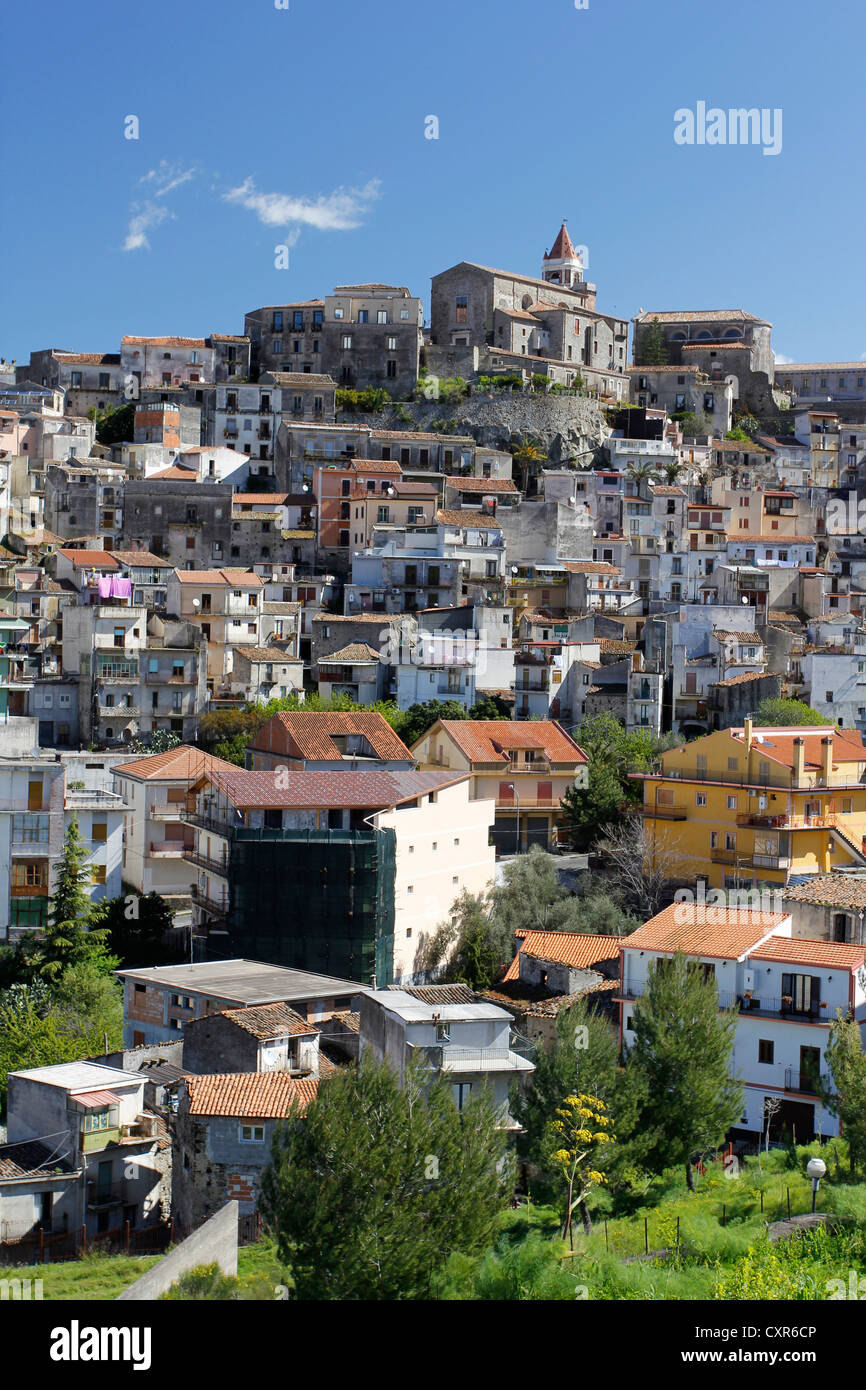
[414, 1010]
[80, 1076]
[245, 981]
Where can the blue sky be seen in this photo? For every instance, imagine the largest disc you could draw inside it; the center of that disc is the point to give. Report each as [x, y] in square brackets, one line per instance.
[261, 127]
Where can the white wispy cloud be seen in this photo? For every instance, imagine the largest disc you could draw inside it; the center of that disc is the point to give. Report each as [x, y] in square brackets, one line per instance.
[143, 217]
[782, 360]
[340, 211]
[166, 177]
[147, 213]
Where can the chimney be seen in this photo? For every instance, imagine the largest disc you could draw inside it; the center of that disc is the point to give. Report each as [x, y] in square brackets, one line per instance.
[747, 733]
[826, 758]
[799, 761]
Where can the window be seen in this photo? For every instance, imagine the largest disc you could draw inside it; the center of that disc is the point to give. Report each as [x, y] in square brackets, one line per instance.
[461, 1091]
[766, 1051]
[391, 344]
[733, 764]
[98, 873]
[99, 832]
[443, 1031]
[391, 368]
[732, 803]
[461, 308]
[346, 341]
[700, 799]
[381, 315]
[252, 1134]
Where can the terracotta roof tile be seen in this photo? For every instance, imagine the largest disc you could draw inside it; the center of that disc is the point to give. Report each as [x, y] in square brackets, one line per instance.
[800, 951]
[581, 950]
[372, 790]
[353, 651]
[482, 485]
[829, 890]
[309, 735]
[270, 1021]
[472, 520]
[723, 932]
[184, 763]
[250, 1095]
[490, 740]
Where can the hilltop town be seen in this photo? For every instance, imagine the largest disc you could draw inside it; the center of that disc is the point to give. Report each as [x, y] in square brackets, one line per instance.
[381, 691]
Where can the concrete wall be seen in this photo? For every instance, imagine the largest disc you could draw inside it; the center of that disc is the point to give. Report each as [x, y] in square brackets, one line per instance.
[216, 1242]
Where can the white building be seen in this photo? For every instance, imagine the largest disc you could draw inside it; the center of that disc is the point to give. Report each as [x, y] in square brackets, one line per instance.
[786, 992]
[39, 796]
[470, 1045]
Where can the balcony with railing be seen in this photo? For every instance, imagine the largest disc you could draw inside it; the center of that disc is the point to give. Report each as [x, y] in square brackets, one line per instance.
[666, 812]
[167, 849]
[215, 864]
[118, 713]
[755, 1003]
[216, 904]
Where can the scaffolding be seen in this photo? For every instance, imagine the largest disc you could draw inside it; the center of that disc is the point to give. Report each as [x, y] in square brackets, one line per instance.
[319, 900]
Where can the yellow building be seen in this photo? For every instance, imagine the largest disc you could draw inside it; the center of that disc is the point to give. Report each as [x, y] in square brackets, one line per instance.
[525, 767]
[758, 807]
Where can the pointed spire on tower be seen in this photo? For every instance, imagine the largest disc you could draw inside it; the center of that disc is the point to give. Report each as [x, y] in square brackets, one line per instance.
[563, 247]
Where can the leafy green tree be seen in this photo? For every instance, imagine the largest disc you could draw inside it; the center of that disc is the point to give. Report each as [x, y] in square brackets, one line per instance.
[137, 925]
[418, 718]
[693, 424]
[582, 1057]
[613, 754]
[29, 1037]
[87, 1008]
[846, 1098]
[653, 349]
[160, 741]
[682, 1052]
[373, 1188]
[579, 1136]
[66, 940]
[787, 712]
[116, 426]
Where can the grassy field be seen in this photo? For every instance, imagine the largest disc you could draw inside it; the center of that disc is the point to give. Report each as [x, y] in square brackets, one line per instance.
[709, 1244]
[105, 1276]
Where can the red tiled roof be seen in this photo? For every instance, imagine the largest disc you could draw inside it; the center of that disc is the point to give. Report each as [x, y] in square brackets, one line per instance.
[473, 520]
[589, 567]
[250, 1095]
[95, 1100]
[90, 559]
[368, 790]
[490, 740]
[778, 744]
[175, 473]
[800, 951]
[563, 248]
[301, 735]
[166, 342]
[181, 764]
[723, 932]
[829, 890]
[581, 950]
[270, 1021]
[353, 651]
[237, 579]
[482, 485]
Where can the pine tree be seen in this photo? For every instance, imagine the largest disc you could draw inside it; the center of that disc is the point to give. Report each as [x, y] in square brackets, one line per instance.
[377, 1184]
[682, 1053]
[653, 351]
[66, 940]
[847, 1096]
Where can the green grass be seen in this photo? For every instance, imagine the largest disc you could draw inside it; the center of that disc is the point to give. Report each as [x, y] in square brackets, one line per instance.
[723, 1250]
[106, 1276]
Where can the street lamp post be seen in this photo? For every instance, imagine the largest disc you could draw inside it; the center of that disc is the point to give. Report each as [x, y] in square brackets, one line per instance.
[517, 799]
[816, 1168]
